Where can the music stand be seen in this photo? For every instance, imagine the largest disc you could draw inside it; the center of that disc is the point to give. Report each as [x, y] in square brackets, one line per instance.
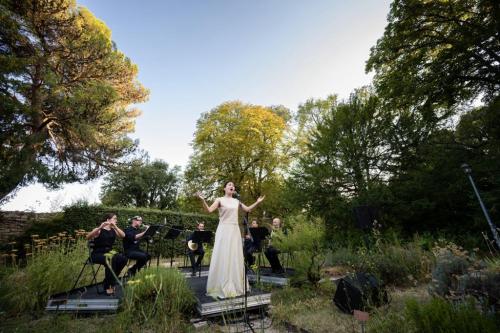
[148, 236]
[151, 231]
[172, 234]
[199, 236]
[259, 233]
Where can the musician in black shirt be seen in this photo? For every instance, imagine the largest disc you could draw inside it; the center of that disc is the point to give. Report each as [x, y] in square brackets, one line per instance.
[104, 237]
[251, 245]
[195, 249]
[132, 247]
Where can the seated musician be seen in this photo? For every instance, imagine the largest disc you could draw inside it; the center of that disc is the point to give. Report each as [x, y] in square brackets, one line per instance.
[251, 245]
[195, 249]
[104, 237]
[131, 245]
[271, 252]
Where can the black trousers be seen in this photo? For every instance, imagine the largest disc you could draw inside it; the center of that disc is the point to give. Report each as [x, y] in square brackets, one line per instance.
[141, 258]
[272, 255]
[117, 263]
[248, 250]
[192, 256]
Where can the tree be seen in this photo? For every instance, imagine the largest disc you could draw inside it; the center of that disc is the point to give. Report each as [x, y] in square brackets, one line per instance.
[308, 117]
[142, 184]
[64, 95]
[347, 156]
[242, 143]
[435, 55]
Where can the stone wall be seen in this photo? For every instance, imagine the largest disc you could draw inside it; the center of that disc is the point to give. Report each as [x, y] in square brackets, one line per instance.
[15, 223]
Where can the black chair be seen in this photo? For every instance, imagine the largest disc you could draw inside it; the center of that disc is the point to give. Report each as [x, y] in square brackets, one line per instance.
[89, 262]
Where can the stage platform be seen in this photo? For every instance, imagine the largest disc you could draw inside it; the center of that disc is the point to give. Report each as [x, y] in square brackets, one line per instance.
[88, 300]
[265, 275]
[209, 307]
[85, 300]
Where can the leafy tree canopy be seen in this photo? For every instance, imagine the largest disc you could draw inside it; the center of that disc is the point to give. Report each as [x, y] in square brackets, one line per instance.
[64, 95]
[437, 54]
[242, 143]
[142, 184]
[346, 157]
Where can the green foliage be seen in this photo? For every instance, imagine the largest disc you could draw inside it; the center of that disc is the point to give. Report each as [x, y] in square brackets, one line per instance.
[460, 274]
[84, 216]
[438, 315]
[308, 117]
[142, 184]
[304, 241]
[154, 298]
[51, 268]
[393, 263]
[346, 158]
[441, 316]
[241, 143]
[310, 310]
[391, 322]
[87, 217]
[451, 262]
[65, 95]
[437, 54]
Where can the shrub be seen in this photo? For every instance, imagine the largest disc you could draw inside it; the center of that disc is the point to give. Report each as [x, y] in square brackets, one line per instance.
[393, 263]
[154, 298]
[438, 315]
[304, 240]
[401, 265]
[84, 216]
[441, 316]
[451, 262]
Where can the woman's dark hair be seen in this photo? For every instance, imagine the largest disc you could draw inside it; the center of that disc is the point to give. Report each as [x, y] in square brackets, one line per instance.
[227, 182]
[107, 216]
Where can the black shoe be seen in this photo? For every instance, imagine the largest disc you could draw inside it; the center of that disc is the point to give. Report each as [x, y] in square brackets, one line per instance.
[193, 273]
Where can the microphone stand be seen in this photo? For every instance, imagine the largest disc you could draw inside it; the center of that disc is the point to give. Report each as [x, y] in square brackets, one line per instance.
[245, 308]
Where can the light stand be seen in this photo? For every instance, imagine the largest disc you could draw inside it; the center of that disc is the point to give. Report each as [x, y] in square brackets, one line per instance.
[468, 172]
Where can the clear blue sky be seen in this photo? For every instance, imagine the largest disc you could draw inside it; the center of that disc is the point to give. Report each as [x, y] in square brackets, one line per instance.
[194, 55]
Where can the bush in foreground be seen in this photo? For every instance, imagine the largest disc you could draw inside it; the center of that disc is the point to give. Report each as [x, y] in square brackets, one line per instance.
[157, 298]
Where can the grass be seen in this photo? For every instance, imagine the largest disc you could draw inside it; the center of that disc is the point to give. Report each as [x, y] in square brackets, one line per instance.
[314, 311]
[59, 323]
[51, 267]
[159, 300]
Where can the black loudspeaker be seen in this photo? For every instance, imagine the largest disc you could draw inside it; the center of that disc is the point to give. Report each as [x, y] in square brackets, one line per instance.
[359, 292]
[365, 216]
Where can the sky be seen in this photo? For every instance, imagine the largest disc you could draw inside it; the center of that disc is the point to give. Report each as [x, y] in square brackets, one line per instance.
[194, 55]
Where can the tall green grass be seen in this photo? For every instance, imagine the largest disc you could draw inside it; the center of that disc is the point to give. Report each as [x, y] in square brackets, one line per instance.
[51, 267]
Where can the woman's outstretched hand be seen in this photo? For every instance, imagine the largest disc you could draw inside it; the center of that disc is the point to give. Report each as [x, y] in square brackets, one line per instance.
[260, 199]
[199, 195]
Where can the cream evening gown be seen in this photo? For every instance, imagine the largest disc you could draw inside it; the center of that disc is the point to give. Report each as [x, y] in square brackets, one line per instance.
[226, 273]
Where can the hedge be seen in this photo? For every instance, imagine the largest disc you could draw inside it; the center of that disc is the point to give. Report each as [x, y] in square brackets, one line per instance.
[87, 217]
